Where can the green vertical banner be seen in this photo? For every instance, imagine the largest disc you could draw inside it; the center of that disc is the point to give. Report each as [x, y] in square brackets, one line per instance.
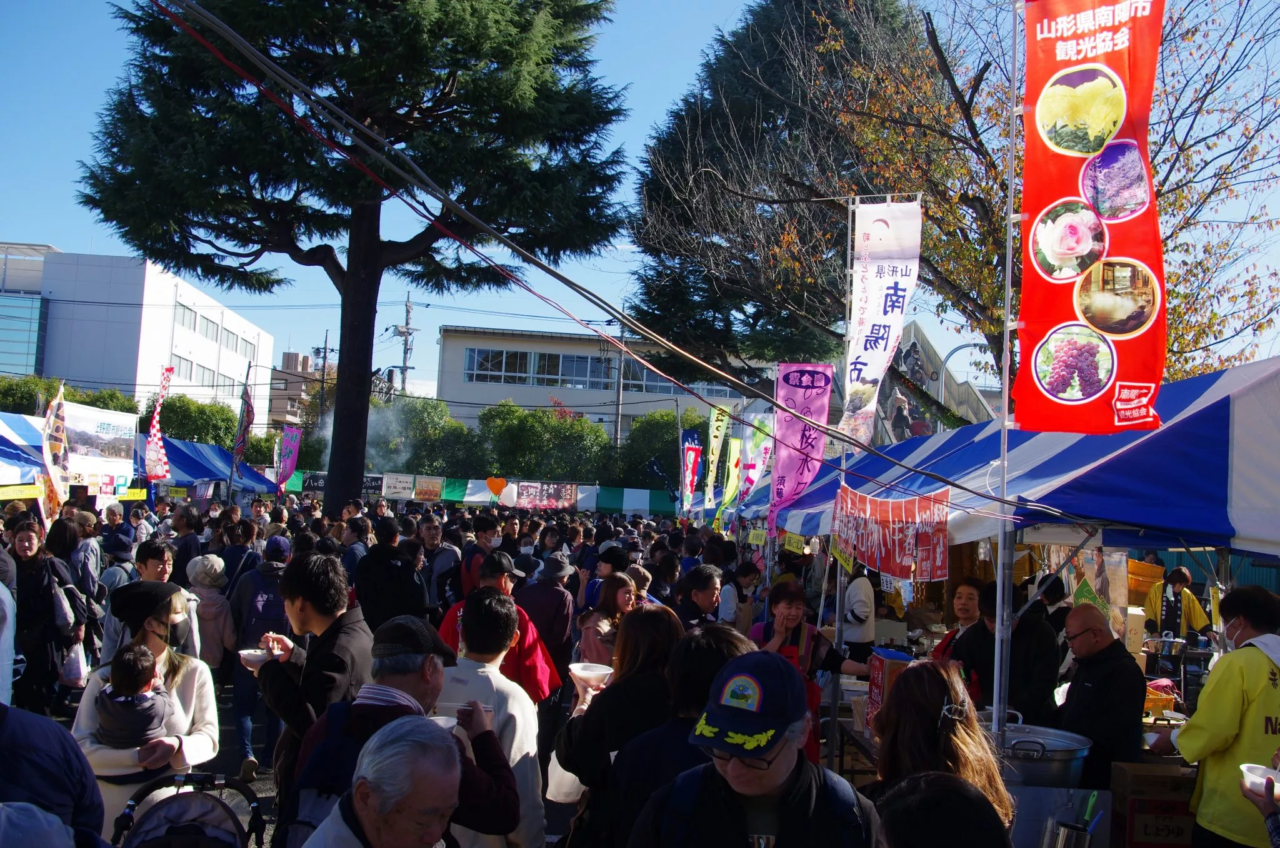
[715, 438]
[734, 472]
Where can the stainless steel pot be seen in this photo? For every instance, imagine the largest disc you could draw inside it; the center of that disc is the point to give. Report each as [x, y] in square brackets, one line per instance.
[1042, 756]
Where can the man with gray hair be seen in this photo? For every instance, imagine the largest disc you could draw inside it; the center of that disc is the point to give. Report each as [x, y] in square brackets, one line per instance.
[409, 661]
[404, 790]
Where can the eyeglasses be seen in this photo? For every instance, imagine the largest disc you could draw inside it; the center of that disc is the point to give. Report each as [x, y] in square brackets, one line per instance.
[1070, 638]
[755, 763]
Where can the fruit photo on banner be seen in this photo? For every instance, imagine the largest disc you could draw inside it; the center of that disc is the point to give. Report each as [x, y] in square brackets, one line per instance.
[1092, 330]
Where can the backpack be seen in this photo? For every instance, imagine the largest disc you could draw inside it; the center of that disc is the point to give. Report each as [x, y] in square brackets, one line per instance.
[855, 832]
[267, 611]
[315, 794]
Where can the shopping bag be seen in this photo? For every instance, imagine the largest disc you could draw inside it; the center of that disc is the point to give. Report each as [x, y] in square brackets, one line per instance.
[63, 615]
[562, 786]
[75, 668]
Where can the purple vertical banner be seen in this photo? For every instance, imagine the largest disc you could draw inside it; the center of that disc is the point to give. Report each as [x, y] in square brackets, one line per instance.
[803, 391]
[289, 445]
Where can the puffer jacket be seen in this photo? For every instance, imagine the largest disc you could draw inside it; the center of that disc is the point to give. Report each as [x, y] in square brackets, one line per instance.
[217, 634]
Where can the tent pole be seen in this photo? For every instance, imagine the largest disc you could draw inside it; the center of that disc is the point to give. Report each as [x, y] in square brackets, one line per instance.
[1004, 572]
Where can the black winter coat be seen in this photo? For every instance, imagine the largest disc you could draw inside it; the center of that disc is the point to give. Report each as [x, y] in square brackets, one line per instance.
[298, 691]
[1033, 666]
[388, 584]
[1105, 704]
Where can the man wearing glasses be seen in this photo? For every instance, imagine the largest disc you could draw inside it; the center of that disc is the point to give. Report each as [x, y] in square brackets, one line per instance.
[1106, 698]
[759, 789]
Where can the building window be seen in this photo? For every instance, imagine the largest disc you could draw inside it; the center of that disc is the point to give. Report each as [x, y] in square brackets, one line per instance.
[279, 385]
[185, 316]
[226, 385]
[483, 365]
[209, 329]
[572, 372]
[248, 349]
[230, 340]
[181, 367]
[204, 376]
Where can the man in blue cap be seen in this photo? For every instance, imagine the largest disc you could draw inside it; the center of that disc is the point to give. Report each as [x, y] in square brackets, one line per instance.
[759, 790]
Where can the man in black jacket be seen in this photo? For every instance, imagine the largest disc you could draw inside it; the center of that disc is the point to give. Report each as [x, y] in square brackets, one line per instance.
[299, 685]
[1106, 697]
[388, 583]
[1033, 659]
[758, 789]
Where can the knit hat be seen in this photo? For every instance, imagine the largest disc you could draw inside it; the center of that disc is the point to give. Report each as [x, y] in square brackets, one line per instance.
[134, 603]
[207, 570]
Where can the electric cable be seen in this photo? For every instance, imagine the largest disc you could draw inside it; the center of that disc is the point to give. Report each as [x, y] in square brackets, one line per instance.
[326, 112]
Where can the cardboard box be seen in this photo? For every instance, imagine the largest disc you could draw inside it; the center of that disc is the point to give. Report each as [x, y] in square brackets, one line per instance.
[884, 672]
[1152, 805]
[1135, 630]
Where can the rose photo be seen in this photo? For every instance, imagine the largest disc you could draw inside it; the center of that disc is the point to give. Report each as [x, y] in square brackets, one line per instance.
[1068, 239]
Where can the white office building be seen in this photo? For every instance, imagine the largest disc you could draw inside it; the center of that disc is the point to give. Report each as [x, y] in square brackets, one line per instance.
[116, 321]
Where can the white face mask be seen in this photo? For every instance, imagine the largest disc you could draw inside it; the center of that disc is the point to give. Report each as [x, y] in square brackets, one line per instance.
[1231, 642]
[527, 549]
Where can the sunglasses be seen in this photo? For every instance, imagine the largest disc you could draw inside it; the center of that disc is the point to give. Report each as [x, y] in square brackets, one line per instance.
[755, 763]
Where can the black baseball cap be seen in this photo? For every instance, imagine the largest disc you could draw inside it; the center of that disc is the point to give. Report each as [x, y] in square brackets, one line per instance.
[406, 634]
[497, 564]
[754, 699]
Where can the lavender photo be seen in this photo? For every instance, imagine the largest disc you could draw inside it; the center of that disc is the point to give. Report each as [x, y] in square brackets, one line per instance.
[1115, 182]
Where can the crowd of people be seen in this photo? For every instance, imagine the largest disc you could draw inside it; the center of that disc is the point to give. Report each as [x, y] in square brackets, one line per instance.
[416, 679]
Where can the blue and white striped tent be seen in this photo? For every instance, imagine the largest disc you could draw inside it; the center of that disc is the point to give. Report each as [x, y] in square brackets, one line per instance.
[21, 449]
[1209, 476]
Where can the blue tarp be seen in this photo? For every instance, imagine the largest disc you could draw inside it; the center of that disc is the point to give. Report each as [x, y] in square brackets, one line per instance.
[1209, 476]
[193, 462]
[21, 457]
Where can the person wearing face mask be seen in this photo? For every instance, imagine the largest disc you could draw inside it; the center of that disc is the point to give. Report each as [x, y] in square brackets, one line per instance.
[154, 564]
[1234, 722]
[156, 614]
[488, 540]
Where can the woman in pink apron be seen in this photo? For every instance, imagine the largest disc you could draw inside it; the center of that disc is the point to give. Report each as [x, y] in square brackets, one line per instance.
[803, 645]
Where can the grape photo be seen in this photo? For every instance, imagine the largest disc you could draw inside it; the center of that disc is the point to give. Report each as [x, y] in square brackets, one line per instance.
[1115, 182]
[1080, 110]
[1074, 364]
[1068, 239]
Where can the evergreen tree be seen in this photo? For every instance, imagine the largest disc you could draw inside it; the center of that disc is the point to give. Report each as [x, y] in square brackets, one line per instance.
[495, 99]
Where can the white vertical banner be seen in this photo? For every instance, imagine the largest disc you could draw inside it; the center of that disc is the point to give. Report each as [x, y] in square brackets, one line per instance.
[886, 267]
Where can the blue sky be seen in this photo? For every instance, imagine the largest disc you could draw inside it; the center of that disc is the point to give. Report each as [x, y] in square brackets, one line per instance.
[70, 52]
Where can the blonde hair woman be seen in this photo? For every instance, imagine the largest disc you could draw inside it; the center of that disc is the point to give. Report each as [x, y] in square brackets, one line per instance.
[156, 615]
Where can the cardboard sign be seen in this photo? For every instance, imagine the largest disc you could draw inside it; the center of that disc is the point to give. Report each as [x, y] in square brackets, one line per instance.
[757, 536]
[794, 542]
[1152, 805]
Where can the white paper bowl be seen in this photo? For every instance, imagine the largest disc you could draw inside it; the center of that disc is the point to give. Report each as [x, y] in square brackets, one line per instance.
[256, 657]
[1255, 777]
[592, 674]
[447, 722]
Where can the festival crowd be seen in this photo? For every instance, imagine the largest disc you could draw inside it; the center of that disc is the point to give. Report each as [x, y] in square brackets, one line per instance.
[447, 677]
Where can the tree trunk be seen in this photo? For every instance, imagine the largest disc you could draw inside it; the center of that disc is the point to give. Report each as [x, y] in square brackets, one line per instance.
[355, 358]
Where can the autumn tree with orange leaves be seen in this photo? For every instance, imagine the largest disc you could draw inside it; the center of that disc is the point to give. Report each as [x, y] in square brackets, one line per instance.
[868, 98]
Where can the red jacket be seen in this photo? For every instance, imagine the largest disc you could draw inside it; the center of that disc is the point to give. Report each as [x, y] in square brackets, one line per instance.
[528, 663]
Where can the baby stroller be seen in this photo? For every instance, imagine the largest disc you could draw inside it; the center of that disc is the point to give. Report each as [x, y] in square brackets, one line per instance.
[192, 819]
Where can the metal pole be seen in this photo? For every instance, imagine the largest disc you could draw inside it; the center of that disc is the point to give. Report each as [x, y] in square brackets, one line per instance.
[942, 378]
[617, 402]
[408, 344]
[1004, 572]
[324, 371]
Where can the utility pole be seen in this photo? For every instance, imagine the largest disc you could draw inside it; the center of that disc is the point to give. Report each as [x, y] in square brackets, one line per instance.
[323, 353]
[405, 332]
[617, 403]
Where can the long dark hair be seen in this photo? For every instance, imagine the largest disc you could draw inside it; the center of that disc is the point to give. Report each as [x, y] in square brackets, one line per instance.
[929, 724]
[176, 664]
[607, 608]
[646, 638]
[62, 539]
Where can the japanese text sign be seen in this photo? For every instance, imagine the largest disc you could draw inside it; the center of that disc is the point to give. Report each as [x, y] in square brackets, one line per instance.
[803, 391]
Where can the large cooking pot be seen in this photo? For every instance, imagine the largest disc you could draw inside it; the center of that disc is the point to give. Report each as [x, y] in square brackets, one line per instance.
[1041, 756]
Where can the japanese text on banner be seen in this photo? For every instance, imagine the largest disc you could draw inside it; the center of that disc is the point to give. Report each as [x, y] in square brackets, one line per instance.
[1092, 320]
[886, 265]
[803, 391]
[904, 538]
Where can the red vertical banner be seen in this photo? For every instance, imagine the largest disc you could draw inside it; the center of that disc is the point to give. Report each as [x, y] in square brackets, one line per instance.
[1092, 323]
